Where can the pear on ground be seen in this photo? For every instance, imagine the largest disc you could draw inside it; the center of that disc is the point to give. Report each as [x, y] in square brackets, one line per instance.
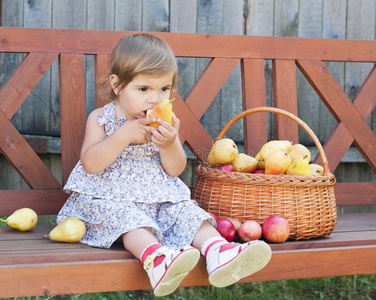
[244, 163]
[70, 230]
[316, 169]
[298, 150]
[277, 163]
[299, 167]
[222, 152]
[273, 146]
[23, 219]
[163, 110]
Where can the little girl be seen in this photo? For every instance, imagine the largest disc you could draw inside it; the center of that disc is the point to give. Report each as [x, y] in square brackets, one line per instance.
[126, 185]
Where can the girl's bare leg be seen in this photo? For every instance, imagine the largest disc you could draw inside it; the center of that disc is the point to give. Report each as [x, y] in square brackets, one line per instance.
[137, 240]
[205, 232]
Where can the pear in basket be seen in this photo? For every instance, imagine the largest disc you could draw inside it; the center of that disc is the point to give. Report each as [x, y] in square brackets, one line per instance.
[299, 150]
[272, 146]
[222, 152]
[244, 163]
[299, 167]
[277, 163]
[316, 169]
[260, 162]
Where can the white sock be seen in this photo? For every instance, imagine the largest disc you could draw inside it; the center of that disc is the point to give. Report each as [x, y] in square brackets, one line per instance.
[209, 241]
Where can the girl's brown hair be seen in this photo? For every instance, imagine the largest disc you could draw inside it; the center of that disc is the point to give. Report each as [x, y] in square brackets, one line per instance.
[141, 53]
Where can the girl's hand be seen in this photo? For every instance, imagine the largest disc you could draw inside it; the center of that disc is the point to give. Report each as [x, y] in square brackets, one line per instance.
[165, 135]
[138, 131]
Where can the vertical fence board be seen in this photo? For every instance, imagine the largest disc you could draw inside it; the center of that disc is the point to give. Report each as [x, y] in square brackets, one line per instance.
[310, 25]
[210, 20]
[231, 93]
[286, 19]
[155, 15]
[334, 26]
[100, 15]
[259, 21]
[128, 15]
[360, 17]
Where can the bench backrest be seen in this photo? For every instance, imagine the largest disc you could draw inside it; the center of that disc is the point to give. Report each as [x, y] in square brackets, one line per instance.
[44, 46]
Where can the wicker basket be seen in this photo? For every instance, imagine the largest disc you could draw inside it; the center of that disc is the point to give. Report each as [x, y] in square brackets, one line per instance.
[307, 202]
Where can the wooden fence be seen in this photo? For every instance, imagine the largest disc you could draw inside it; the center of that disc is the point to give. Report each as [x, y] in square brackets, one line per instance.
[38, 118]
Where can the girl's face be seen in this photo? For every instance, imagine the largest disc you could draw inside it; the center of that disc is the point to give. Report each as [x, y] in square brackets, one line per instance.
[142, 93]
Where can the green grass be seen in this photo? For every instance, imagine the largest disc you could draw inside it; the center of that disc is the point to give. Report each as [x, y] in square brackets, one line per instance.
[344, 287]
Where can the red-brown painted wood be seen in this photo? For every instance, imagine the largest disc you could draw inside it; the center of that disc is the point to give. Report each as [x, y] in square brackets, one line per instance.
[355, 193]
[31, 265]
[44, 202]
[285, 97]
[23, 158]
[340, 139]
[15, 91]
[189, 45]
[254, 95]
[341, 107]
[128, 274]
[101, 68]
[205, 88]
[72, 109]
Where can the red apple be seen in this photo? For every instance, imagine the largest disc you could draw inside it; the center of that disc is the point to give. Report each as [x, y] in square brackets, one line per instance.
[227, 167]
[276, 229]
[259, 172]
[249, 231]
[226, 229]
[236, 223]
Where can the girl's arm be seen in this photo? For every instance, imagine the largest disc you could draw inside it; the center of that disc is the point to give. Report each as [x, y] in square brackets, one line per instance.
[166, 137]
[99, 151]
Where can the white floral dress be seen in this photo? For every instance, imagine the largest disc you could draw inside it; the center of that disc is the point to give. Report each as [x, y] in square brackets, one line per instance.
[134, 191]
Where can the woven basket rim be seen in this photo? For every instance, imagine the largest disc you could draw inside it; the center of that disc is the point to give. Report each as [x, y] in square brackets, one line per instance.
[206, 170]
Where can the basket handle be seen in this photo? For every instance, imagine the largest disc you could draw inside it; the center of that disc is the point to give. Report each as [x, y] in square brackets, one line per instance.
[289, 115]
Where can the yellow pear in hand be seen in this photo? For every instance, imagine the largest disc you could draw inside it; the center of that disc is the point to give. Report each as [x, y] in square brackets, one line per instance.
[70, 230]
[316, 169]
[299, 167]
[244, 163]
[162, 110]
[222, 152]
[299, 150]
[23, 219]
[277, 163]
[272, 146]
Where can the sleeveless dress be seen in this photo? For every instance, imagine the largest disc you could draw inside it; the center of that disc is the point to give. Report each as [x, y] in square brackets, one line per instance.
[134, 191]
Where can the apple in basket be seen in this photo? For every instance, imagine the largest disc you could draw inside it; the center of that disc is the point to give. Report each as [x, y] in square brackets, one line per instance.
[249, 231]
[227, 167]
[226, 229]
[276, 229]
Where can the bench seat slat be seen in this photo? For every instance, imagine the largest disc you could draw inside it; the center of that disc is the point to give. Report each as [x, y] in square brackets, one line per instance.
[44, 267]
[127, 274]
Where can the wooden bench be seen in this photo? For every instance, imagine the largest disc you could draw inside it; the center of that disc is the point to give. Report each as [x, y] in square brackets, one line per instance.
[31, 265]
